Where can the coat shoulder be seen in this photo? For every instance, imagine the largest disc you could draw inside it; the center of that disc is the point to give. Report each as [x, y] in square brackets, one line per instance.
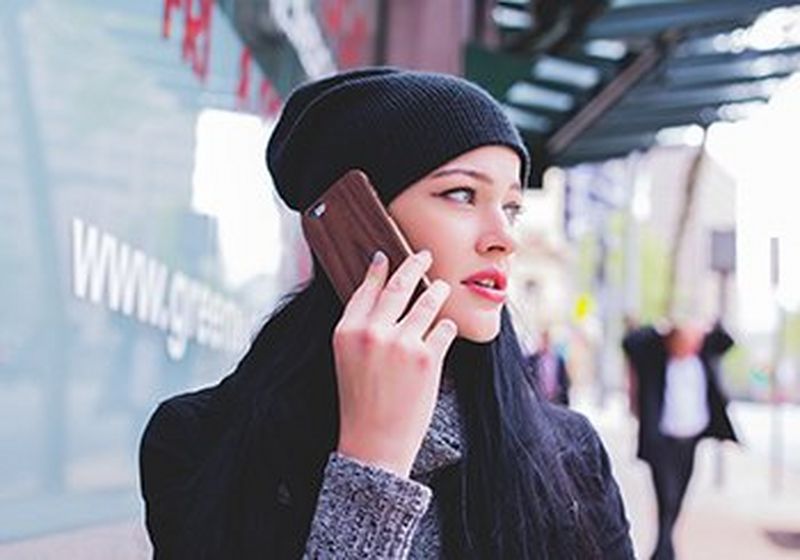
[579, 445]
[586, 461]
[573, 427]
[179, 417]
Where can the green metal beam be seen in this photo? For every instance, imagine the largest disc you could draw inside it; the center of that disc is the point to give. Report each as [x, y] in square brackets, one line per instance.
[608, 96]
[667, 97]
[652, 19]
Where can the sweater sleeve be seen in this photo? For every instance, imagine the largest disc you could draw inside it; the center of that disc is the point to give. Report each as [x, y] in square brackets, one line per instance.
[365, 512]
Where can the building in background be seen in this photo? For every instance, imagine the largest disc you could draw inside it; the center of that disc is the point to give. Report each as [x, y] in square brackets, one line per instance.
[142, 245]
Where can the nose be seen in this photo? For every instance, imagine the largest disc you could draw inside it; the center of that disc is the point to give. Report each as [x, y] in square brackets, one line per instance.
[496, 235]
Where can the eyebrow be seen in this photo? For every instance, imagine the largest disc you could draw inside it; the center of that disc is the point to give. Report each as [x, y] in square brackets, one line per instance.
[475, 174]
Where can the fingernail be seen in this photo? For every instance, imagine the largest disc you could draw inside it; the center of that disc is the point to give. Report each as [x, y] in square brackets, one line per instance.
[379, 257]
[424, 255]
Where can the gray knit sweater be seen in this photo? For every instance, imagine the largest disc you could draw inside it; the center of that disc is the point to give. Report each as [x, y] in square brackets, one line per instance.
[367, 512]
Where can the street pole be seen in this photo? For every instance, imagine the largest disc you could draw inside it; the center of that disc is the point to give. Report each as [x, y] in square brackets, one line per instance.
[723, 262]
[777, 408]
[775, 389]
[719, 460]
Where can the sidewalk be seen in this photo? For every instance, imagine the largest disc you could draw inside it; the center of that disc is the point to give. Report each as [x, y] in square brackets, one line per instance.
[730, 523]
[734, 521]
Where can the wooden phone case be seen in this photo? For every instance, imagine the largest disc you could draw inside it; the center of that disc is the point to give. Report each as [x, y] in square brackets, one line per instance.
[346, 226]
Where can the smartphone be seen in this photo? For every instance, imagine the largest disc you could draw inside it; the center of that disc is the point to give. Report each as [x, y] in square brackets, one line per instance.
[346, 226]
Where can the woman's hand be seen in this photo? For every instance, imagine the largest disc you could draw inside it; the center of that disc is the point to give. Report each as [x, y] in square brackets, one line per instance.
[388, 370]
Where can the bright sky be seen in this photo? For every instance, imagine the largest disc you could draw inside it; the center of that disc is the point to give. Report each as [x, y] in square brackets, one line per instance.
[763, 155]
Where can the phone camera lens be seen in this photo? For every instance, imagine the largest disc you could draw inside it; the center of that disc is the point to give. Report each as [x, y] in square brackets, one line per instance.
[318, 210]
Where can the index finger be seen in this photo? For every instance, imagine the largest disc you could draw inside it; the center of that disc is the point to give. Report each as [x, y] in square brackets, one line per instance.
[441, 337]
[395, 296]
[363, 299]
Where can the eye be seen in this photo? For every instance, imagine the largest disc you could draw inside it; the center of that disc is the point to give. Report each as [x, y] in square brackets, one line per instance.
[464, 195]
[513, 210]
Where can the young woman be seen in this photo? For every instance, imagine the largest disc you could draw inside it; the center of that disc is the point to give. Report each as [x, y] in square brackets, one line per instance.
[354, 431]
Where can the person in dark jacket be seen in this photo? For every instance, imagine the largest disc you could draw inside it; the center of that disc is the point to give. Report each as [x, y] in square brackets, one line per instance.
[679, 402]
[354, 431]
[548, 371]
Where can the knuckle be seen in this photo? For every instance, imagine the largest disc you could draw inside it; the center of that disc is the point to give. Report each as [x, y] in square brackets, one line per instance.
[342, 334]
[429, 303]
[399, 282]
[399, 346]
[424, 361]
[404, 347]
[433, 299]
[370, 338]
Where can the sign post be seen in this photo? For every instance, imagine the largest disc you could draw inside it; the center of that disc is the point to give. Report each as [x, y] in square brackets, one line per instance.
[775, 387]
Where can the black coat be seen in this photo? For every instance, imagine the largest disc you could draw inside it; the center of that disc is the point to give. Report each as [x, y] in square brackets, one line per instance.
[208, 497]
[647, 352]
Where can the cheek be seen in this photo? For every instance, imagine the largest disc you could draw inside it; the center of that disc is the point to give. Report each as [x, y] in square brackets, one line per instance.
[475, 322]
[447, 242]
[443, 264]
[416, 229]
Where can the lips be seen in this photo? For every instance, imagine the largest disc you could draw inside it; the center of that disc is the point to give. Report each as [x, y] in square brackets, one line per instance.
[489, 284]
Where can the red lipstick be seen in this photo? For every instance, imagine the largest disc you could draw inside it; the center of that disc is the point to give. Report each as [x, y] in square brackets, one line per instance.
[489, 283]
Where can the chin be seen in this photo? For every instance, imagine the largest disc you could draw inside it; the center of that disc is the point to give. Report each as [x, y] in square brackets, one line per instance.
[480, 332]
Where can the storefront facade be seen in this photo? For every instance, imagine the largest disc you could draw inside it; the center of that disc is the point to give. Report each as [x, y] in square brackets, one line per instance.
[141, 244]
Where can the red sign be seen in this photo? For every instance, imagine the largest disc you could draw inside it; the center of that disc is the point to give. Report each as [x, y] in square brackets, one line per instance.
[196, 51]
[268, 102]
[347, 28]
[243, 89]
[268, 99]
[196, 44]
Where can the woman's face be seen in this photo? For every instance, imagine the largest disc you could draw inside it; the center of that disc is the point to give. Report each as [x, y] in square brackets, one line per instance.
[463, 213]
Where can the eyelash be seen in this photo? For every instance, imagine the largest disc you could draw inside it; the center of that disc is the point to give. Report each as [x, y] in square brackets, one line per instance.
[448, 194]
[512, 209]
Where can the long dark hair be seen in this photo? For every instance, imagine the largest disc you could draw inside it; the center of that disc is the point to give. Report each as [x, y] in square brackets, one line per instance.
[510, 497]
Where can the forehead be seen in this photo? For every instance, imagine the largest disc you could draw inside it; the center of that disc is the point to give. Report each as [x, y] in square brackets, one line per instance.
[496, 167]
[498, 163]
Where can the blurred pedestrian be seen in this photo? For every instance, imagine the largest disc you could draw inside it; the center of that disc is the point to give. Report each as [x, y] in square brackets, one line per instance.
[680, 401]
[630, 323]
[548, 370]
[351, 430]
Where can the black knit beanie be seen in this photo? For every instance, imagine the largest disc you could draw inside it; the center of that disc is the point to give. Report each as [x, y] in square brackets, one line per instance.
[396, 125]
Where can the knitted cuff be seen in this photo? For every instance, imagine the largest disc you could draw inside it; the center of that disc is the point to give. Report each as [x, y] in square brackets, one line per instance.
[364, 511]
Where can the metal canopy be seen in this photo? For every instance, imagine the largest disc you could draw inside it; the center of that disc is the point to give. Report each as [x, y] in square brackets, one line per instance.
[589, 80]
